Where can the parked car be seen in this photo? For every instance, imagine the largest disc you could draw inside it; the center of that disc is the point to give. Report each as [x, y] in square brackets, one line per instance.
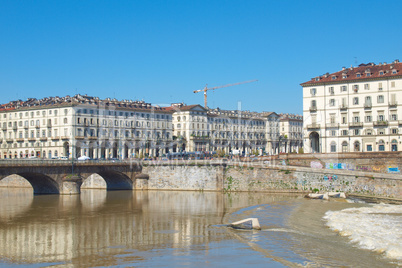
[63, 158]
[83, 158]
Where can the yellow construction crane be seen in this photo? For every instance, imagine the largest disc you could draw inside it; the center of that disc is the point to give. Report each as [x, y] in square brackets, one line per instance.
[205, 89]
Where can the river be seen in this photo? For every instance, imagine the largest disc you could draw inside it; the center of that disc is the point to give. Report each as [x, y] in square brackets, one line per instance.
[169, 229]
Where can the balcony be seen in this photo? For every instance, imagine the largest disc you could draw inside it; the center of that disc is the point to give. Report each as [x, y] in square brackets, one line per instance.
[32, 139]
[20, 140]
[26, 127]
[49, 124]
[56, 138]
[313, 109]
[64, 137]
[4, 128]
[380, 123]
[9, 140]
[393, 104]
[92, 138]
[37, 126]
[332, 125]
[43, 138]
[356, 124]
[15, 127]
[313, 126]
[343, 107]
[368, 105]
[79, 137]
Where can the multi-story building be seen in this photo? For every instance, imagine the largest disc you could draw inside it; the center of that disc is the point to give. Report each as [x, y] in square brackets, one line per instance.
[291, 133]
[83, 125]
[200, 129]
[356, 109]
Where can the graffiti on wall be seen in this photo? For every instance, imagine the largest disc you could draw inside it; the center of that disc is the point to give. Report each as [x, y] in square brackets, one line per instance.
[316, 164]
[393, 170]
[339, 166]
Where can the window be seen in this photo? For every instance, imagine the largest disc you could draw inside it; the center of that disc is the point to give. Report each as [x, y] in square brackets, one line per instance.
[356, 132]
[313, 103]
[333, 147]
[380, 86]
[355, 88]
[345, 147]
[381, 72]
[344, 132]
[356, 100]
[380, 99]
[344, 120]
[332, 102]
[366, 86]
[394, 71]
[394, 131]
[331, 90]
[369, 148]
[344, 76]
[343, 88]
[381, 146]
[393, 84]
[369, 132]
[368, 74]
[333, 133]
[313, 91]
[368, 118]
[381, 131]
[380, 117]
[394, 117]
[358, 75]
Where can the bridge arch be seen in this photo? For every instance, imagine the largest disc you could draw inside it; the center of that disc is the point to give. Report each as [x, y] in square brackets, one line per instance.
[109, 180]
[40, 183]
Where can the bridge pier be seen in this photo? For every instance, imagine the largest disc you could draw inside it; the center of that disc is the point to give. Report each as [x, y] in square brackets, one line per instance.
[71, 186]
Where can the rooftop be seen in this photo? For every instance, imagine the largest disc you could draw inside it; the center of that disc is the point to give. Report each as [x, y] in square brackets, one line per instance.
[361, 72]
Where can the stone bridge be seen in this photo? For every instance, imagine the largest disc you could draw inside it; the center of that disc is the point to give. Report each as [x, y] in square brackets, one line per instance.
[62, 177]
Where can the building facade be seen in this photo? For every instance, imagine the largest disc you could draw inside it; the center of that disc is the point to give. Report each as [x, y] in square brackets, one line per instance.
[71, 127]
[291, 133]
[356, 109]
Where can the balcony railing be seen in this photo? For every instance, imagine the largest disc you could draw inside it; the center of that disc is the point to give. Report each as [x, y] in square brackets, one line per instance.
[367, 105]
[393, 104]
[332, 125]
[4, 128]
[313, 109]
[43, 138]
[20, 140]
[9, 140]
[355, 124]
[343, 107]
[380, 123]
[37, 126]
[64, 137]
[313, 126]
[32, 139]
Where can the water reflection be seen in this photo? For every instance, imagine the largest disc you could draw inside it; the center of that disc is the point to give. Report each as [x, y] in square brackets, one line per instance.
[80, 228]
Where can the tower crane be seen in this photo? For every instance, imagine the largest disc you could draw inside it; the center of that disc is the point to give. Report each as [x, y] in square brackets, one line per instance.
[205, 89]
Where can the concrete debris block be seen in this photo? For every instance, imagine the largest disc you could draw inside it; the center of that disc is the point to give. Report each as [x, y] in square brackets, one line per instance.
[248, 224]
[318, 196]
[336, 194]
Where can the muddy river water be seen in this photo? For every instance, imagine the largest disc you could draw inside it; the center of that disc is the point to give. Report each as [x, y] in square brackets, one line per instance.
[171, 229]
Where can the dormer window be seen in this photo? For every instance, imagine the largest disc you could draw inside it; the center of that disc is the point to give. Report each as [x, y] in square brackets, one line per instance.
[381, 72]
[333, 77]
[394, 71]
[368, 74]
[344, 76]
[358, 75]
[317, 79]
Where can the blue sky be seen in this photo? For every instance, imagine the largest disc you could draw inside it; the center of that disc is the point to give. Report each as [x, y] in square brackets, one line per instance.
[161, 51]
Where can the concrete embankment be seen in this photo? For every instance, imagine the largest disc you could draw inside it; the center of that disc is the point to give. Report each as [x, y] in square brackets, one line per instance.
[259, 177]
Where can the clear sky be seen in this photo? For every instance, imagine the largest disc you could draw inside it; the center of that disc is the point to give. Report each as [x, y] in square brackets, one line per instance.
[161, 51]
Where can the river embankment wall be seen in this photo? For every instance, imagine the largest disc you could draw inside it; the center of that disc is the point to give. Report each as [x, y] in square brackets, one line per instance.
[262, 178]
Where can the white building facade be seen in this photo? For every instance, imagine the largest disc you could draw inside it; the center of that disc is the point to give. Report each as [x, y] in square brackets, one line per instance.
[357, 109]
